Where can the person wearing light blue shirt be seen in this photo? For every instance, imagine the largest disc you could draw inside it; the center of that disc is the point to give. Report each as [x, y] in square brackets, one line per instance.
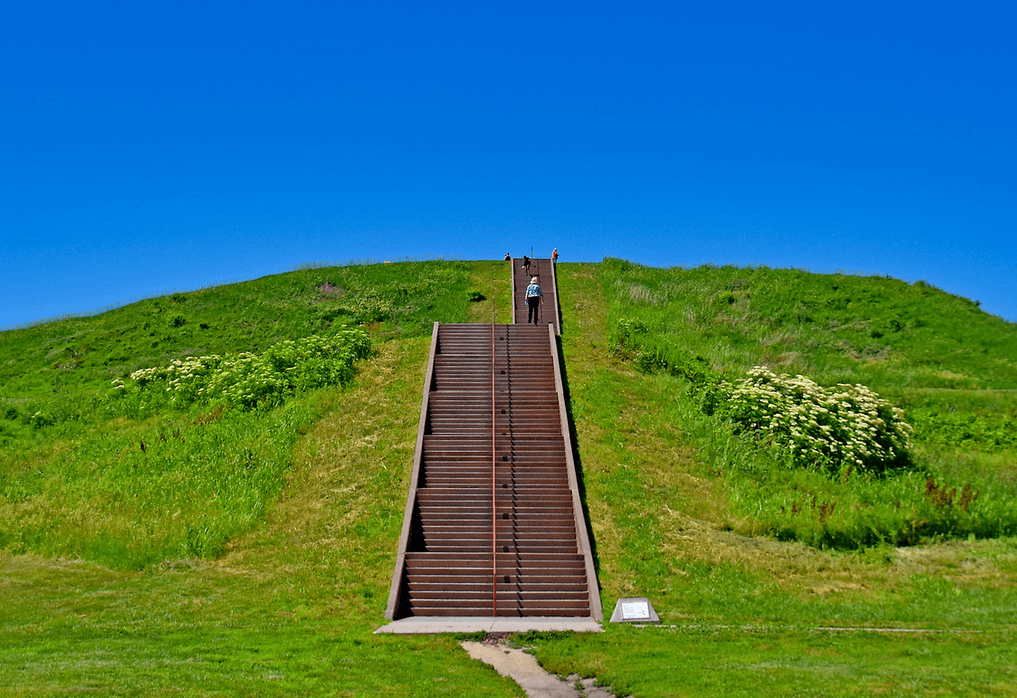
[534, 297]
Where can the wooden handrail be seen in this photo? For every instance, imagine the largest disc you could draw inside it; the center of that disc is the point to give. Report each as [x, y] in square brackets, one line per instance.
[582, 537]
[394, 594]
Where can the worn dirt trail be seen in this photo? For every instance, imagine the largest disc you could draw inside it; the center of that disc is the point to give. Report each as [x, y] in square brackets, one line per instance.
[524, 670]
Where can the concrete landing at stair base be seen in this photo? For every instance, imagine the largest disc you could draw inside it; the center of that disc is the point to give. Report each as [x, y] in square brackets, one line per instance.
[433, 625]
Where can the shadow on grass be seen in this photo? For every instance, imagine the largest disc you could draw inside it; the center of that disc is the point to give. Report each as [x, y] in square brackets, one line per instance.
[573, 437]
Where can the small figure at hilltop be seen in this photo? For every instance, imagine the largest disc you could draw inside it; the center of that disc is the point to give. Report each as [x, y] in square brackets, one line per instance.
[534, 297]
[508, 257]
[526, 264]
[554, 256]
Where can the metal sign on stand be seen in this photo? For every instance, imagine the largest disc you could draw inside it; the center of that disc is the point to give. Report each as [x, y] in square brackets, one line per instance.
[636, 610]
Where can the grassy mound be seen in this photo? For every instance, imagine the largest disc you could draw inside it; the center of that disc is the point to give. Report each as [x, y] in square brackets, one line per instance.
[248, 551]
[110, 455]
[952, 368]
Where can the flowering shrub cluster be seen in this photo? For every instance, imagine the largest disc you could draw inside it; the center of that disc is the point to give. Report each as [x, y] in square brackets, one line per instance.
[246, 380]
[842, 428]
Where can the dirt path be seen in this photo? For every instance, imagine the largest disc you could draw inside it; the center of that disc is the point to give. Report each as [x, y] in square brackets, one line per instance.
[524, 670]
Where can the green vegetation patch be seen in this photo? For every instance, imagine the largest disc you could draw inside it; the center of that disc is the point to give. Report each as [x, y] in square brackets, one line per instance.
[247, 380]
[56, 365]
[830, 461]
[833, 328]
[129, 492]
[742, 611]
[840, 428]
[691, 660]
[211, 392]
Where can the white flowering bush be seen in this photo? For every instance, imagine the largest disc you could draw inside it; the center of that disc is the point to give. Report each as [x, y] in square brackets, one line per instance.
[186, 378]
[842, 428]
[246, 380]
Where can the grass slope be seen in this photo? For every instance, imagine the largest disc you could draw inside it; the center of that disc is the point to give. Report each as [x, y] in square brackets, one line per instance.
[289, 603]
[88, 474]
[952, 367]
[287, 610]
[744, 613]
[834, 328]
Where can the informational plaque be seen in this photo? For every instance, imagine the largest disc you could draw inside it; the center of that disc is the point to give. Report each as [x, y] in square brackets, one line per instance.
[638, 610]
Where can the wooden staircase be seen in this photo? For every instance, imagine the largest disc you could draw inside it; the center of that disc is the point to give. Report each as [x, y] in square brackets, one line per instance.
[494, 524]
[544, 270]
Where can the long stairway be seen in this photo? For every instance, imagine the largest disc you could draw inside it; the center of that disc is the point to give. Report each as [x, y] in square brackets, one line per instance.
[544, 270]
[494, 524]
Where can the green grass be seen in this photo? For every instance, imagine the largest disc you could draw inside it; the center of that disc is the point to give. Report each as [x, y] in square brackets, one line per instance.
[193, 488]
[288, 609]
[711, 661]
[286, 602]
[131, 480]
[951, 367]
[63, 364]
[831, 327]
[743, 612]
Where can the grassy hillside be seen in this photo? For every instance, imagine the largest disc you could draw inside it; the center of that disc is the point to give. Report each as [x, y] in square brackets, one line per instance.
[950, 366]
[131, 480]
[836, 328]
[674, 516]
[249, 551]
[77, 357]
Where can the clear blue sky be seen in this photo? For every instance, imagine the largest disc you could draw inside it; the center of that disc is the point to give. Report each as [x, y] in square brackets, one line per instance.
[156, 147]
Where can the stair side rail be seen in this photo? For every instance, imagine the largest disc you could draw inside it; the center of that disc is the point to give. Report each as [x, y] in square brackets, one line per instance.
[582, 536]
[398, 575]
[554, 293]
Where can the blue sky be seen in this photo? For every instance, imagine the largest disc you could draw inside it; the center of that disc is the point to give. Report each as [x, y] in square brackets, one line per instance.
[149, 148]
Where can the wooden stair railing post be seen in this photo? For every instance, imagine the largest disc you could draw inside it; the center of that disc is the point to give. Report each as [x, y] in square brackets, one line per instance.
[512, 290]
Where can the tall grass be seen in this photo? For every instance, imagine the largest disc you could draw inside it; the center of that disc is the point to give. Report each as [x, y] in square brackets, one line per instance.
[288, 609]
[55, 363]
[948, 363]
[133, 475]
[132, 492]
[833, 328]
